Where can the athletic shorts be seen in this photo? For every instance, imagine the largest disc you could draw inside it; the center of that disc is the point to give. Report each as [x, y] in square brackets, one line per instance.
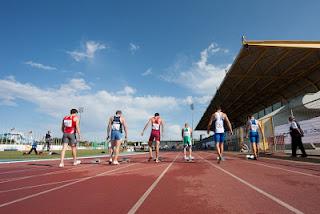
[254, 137]
[69, 139]
[219, 137]
[186, 141]
[154, 136]
[116, 135]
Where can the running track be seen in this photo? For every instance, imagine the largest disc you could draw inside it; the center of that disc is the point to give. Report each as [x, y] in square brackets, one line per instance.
[173, 186]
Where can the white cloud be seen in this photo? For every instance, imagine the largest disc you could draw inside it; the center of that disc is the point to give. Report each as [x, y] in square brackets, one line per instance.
[98, 105]
[202, 77]
[40, 66]
[147, 72]
[133, 48]
[91, 47]
[127, 91]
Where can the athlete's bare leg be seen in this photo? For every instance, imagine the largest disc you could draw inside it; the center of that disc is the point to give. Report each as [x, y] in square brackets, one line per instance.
[185, 151]
[74, 153]
[254, 148]
[218, 149]
[190, 151]
[117, 150]
[150, 150]
[157, 150]
[63, 152]
[221, 149]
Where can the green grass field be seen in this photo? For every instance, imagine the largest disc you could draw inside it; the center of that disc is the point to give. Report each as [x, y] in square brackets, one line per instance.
[16, 155]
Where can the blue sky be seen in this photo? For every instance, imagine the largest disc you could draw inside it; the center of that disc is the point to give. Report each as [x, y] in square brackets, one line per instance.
[138, 56]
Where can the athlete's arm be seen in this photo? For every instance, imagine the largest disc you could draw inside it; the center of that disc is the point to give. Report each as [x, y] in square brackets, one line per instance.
[77, 126]
[209, 124]
[145, 126]
[228, 123]
[109, 127]
[62, 127]
[182, 132]
[162, 127]
[247, 129]
[125, 128]
[191, 132]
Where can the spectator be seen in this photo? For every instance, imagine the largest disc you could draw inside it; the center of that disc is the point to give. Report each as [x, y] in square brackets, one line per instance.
[296, 134]
[34, 144]
[47, 141]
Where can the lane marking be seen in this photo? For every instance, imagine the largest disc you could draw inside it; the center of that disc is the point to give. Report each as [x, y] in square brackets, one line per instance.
[287, 170]
[60, 187]
[55, 159]
[39, 175]
[273, 198]
[39, 185]
[138, 204]
[22, 170]
[64, 181]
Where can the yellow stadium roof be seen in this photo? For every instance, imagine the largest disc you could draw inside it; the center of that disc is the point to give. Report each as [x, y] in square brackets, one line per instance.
[264, 73]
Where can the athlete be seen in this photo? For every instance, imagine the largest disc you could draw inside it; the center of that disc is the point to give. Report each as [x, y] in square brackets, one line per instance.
[115, 128]
[219, 133]
[186, 134]
[70, 127]
[157, 125]
[252, 132]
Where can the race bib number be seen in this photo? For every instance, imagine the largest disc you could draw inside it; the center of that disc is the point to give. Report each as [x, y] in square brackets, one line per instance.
[67, 123]
[155, 126]
[219, 126]
[116, 126]
[254, 127]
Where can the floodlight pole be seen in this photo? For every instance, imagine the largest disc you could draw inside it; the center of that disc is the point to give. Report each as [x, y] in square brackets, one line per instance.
[80, 111]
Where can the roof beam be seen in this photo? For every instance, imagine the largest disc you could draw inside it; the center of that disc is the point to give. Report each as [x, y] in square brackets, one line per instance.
[289, 82]
[308, 53]
[247, 72]
[312, 83]
[265, 72]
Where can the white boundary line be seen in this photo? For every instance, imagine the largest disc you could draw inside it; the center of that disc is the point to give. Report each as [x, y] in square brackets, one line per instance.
[39, 175]
[287, 170]
[137, 205]
[60, 187]
[22, 170]
[55, 159]
[273, 198]
[278, 159]
[64, 181]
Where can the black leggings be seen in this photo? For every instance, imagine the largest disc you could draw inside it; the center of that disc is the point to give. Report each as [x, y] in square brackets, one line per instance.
[295, 143]
[33, 149]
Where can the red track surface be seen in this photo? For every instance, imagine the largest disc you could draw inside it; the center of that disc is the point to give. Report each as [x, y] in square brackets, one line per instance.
[173, 186]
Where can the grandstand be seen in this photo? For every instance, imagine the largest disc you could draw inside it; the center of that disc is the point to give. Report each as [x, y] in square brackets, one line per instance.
[272, 80]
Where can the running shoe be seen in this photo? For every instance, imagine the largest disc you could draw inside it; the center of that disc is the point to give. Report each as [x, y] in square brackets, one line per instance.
[222, 158]
[157, 161]
[191, 157]
[185, 158]
[149, 159]
[77, 162]
[61, 165]
[115, 163]
[219, 159]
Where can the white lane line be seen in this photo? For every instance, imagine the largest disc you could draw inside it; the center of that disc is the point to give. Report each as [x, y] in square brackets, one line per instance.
[38, 175]
[22, 170]
[60, 187]
[65, 181]
[291, 161]
[137, 205]
[39, 185]
[273, 198]
[287, 170]
[55, 159]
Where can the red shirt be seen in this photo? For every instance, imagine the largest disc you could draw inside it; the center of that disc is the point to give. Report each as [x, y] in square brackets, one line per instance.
[69, 124]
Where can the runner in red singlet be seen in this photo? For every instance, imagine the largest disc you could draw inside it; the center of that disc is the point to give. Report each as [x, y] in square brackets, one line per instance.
[156, 128]
[70, 127]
